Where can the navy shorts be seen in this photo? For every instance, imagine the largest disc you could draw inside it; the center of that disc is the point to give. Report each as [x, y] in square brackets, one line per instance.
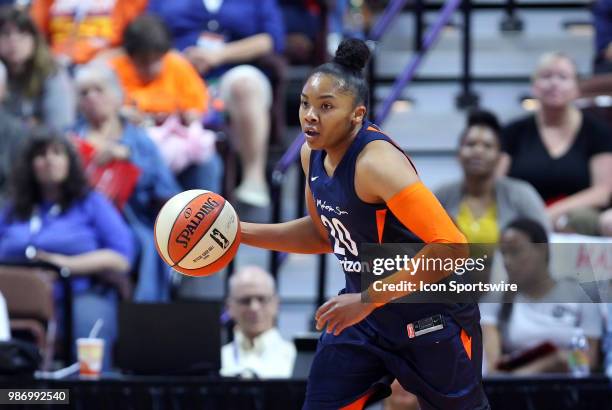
[442, 368]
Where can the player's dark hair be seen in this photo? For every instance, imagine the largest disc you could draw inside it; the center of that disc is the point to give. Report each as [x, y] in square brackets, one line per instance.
[146, 35]
[25, 191]
[482, 118]
[347, 66]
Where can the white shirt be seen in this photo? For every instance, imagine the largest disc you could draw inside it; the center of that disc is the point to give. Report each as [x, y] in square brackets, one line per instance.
[532, 323]
[269, 356]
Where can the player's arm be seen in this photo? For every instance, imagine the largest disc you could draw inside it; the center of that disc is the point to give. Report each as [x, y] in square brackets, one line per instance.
[415, 207]
[304, 235]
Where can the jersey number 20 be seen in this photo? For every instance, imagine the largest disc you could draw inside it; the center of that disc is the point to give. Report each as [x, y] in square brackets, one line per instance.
[342, 237]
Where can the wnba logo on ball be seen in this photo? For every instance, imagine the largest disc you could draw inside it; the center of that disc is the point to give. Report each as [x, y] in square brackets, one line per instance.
[218, 237]
[185, 235]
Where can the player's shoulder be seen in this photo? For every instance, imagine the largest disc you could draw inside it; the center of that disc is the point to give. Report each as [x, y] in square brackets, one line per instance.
[380, 154]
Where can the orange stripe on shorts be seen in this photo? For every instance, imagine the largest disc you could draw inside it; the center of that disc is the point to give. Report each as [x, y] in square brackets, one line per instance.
[360, 403]
[467, 343]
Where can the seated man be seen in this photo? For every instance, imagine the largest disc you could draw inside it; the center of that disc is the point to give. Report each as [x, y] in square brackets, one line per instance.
[258, 348]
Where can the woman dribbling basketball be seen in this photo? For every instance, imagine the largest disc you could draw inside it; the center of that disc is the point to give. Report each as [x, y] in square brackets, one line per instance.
[361, 188]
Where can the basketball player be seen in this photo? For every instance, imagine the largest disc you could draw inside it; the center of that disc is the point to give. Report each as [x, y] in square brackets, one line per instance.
[361, 188]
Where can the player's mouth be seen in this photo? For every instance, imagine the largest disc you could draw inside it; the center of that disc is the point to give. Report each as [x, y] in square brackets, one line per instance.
[311, 135]
[311, 132]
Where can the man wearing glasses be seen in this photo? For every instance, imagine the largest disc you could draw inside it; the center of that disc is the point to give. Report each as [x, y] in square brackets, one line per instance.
[258, 350]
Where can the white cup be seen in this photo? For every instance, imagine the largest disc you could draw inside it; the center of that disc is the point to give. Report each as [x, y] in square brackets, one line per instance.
[90, 352]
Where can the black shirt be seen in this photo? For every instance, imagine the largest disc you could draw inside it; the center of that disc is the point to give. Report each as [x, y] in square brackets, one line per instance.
[554, 178]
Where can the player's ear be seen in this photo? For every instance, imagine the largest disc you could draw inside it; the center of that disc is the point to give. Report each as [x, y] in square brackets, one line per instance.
[359, 113]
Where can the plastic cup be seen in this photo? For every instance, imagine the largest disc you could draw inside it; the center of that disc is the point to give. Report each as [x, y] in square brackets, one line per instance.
[90, 352]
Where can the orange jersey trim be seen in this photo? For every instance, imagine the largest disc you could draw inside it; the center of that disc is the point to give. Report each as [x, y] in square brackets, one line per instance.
[372, 128]
[381, 214]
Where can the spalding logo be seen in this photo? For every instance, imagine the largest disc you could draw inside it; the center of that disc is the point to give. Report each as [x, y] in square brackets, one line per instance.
[207, 207]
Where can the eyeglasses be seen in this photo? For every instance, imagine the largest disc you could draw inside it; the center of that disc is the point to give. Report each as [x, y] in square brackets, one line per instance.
[247, 300]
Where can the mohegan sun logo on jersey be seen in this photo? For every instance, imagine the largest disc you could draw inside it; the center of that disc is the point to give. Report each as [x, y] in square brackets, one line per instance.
[330, 208]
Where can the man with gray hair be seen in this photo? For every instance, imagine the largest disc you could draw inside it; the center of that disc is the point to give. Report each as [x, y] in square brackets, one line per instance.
[11, 133]
[258, 350]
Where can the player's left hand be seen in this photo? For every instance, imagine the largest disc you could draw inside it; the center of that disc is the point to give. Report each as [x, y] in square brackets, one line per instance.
[342, 311]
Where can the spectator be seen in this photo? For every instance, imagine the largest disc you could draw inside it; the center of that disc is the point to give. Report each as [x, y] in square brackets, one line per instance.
[12, 132]
[480, 202]
[100, 99]
[258, 348]
[602, 19]
[54, 217]
[304, 23]
[222, 39]
[162, 85]
[81, 30]
[574, 148]
[40, 90]
[524, 322]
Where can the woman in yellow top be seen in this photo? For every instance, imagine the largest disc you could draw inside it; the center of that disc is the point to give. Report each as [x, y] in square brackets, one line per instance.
[482, 203]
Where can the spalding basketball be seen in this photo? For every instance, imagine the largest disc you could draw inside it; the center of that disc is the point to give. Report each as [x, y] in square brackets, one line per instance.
[197, 232]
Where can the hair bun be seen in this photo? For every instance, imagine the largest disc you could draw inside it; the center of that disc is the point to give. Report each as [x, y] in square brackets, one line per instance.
[352, 54]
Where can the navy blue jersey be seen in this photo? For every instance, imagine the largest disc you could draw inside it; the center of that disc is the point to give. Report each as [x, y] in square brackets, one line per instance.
[351, 222]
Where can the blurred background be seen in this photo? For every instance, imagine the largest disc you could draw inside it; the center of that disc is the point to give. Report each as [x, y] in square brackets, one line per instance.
[110, 107]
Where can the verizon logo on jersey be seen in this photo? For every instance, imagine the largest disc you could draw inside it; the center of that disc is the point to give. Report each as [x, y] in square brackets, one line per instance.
[329, 208]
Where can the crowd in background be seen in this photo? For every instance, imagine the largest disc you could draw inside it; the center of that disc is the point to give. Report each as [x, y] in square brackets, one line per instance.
[140, 89]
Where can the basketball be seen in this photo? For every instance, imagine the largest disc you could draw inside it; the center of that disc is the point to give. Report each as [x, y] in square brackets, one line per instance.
[197, 232]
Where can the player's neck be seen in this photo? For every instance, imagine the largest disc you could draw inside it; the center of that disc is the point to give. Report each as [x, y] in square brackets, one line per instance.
[336, 152]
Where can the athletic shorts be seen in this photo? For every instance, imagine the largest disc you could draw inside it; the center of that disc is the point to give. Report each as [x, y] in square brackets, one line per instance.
[442, 368]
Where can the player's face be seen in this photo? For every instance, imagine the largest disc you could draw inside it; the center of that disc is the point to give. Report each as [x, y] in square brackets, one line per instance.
[479, 151]
[253, 306]
[555, 84]
[327, 113]
[524, 260]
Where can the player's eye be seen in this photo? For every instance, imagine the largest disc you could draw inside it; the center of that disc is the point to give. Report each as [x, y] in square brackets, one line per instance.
[326, 106]
[304, 103]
